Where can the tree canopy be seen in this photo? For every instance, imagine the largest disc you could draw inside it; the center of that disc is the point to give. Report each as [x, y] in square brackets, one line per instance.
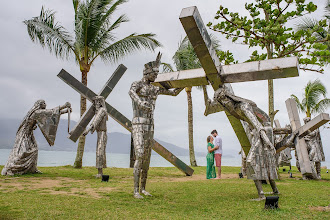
[269, 26]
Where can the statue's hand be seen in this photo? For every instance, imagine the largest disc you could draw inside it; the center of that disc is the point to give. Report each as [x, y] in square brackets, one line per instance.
[85, 132]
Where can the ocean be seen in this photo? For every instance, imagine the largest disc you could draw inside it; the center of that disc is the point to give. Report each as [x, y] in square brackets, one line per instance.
[62, 158]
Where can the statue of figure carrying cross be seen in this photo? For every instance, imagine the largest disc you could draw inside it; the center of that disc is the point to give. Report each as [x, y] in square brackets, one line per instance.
[144, 95]
[261, 163]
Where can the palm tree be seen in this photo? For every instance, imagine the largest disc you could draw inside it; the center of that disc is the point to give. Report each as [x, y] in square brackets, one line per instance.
[185, 58]
[93, 37]
[312, 102]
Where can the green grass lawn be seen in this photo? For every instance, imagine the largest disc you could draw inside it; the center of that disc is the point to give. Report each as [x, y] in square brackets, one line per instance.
[67, 193]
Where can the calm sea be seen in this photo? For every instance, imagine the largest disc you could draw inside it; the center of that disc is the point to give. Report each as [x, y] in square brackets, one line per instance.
[61, 158]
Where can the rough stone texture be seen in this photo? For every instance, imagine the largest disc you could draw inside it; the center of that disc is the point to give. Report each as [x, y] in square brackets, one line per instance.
[144, 95]
[24, 155]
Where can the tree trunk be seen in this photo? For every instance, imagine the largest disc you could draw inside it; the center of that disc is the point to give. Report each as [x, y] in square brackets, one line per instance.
[271, 111]
[82, 138]
[271, 100]
[190, 128]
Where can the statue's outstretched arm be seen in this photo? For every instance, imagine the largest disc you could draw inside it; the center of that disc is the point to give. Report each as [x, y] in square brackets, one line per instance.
[172, 92]
[211, 106]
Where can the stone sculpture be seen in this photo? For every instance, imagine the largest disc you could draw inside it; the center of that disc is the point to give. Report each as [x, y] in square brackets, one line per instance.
[144, 95]
[99, 124]
[261, 163]
[109, 86]
[315, 148]
[24, 156]
[243, 168]
[283, 157]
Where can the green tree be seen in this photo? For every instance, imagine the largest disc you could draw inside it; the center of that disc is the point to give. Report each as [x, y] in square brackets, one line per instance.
[312, 102]
[185, 58]
[308, 23]
[267, 28]
[93, 38]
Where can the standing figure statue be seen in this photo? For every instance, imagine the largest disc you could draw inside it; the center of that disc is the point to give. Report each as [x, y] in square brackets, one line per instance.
[24, 156]
[315, 148]
[99, 124]
[144, 95]
[261, 163]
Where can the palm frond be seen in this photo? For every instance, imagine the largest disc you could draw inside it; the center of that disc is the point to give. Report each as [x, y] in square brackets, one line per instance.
[321, 106]
[111, 10]
[44, 30]
[167, 68]
[300, 106]
[308, 23]
[106, 36]
[327, 9]
[127, 45]
[313, 91]
[185, 57]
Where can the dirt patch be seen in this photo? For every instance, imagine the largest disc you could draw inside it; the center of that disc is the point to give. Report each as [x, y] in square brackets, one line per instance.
[320, 208]
[194, 178]
[56, 186]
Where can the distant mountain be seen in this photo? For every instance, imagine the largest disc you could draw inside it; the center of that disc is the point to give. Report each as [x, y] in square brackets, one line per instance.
[117, 142]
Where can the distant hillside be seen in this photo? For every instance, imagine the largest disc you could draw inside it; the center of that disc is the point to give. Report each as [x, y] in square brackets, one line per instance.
[117, 142]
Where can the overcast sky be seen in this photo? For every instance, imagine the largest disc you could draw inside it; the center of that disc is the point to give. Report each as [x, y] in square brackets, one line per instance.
[28, 72]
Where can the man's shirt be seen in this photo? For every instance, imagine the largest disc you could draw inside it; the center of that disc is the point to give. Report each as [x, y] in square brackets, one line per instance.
[218, 142]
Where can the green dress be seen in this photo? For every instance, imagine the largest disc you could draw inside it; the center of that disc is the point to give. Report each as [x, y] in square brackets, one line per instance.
[210, 169]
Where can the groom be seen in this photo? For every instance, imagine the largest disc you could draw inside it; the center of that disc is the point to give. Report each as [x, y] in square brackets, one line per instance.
[218, 151]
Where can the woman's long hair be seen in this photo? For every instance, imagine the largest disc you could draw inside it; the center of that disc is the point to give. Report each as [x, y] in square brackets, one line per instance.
[35, 107]
[208, 139]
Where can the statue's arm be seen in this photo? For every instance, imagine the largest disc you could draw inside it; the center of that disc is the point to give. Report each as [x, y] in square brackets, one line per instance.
[249, 113]
[172, 92]
[135, 97]
[97, 120]
[66, 108]
[133, 92]
[211, 106]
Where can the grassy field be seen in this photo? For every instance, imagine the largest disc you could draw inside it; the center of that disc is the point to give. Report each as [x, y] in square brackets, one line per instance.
[67, 193]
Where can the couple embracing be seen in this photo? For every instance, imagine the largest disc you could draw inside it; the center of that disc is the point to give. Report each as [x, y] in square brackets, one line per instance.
[214, 148]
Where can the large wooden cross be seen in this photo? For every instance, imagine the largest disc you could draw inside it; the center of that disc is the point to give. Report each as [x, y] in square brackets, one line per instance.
[114, 113]
[214, 73]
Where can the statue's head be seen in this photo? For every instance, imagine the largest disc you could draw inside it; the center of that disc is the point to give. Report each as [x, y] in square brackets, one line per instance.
[40, 104]
[220, 93]
[307, 119]
[99, 101]
[151, 69]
